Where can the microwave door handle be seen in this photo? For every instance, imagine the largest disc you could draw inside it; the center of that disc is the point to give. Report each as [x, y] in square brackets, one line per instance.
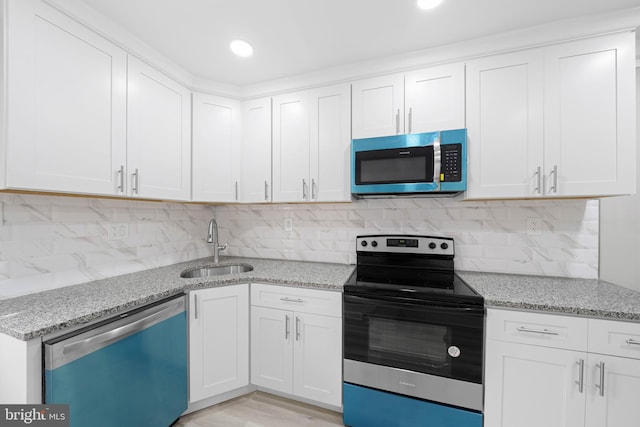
[437, 159]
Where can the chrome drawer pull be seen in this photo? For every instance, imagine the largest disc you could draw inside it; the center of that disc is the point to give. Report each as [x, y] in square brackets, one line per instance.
[537, 331]
[633, 342]
[287, 299]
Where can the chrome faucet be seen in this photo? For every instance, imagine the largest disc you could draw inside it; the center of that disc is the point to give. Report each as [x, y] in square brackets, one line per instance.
[212, 237]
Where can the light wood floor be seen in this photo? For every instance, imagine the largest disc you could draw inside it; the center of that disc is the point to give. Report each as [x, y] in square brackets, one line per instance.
[261, 410]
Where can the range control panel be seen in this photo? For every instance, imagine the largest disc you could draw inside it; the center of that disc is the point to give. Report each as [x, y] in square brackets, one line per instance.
[428, 245]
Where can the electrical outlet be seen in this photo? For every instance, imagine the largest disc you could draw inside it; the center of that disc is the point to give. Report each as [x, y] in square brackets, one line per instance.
[288, 224]
[534, 226]
[117, 231]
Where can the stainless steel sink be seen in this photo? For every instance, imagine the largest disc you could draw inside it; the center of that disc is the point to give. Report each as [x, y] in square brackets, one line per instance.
[215, 270]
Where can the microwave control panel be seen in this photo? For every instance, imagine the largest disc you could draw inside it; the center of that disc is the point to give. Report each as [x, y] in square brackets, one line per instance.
[451, 163]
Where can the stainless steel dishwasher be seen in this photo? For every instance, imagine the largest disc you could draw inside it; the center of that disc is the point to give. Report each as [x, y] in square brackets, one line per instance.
[130, 370]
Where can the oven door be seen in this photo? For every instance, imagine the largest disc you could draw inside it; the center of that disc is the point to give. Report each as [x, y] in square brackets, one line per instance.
[441, 339]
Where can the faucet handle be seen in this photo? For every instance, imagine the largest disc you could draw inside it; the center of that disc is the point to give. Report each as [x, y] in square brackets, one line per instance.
[223, 247]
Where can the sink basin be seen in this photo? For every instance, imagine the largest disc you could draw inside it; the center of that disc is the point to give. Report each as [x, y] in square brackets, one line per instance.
[215, 270]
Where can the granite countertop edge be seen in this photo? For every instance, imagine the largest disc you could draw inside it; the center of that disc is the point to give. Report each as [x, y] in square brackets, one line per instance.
[49, 312]
[44, 313]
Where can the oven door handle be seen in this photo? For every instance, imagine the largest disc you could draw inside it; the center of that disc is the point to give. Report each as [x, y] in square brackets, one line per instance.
[439, 306]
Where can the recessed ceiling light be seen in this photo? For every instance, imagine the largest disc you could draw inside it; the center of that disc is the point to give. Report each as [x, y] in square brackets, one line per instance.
[241, 48]
[428, 4]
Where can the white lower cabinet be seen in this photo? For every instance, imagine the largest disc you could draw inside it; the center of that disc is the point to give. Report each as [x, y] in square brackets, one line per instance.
[296, 342]
[218, 340]
[560, 371]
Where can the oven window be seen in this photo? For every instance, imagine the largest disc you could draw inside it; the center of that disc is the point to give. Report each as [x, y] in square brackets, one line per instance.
[412, 342]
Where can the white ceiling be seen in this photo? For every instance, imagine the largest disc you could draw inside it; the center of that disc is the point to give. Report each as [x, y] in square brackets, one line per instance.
[294, 37]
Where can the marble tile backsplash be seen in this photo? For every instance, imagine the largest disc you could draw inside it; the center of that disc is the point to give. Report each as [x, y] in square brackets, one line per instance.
[489, 236]
[48, 242]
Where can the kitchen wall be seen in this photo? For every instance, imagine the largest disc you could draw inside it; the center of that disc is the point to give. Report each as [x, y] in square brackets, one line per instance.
[490, 236]
[48, 242]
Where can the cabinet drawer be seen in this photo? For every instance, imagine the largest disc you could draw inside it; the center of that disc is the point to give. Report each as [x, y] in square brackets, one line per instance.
[328, 303]
[614, 338]
[547, 330]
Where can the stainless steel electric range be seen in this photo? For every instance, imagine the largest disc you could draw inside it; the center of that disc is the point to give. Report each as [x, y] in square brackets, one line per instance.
[413, 336]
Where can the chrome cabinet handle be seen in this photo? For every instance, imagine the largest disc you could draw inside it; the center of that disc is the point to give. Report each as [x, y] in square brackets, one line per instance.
[287, 299]
[304, 189]
[314, 193]
[410, 119]
[236, 190]
[266, 191]
[195, 306]
[121, 175]
[538, 174]
[297, 328]
[631, 341]
[580, 381]
[286, 327]
[537, 331]
[554, 187]
[398, 121]
[600, 386]
[135, 176]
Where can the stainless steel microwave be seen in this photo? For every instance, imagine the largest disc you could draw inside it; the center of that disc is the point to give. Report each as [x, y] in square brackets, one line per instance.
[434, 162]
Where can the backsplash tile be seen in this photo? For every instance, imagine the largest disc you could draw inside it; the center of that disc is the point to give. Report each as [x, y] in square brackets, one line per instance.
[490, 236]
[48, 242]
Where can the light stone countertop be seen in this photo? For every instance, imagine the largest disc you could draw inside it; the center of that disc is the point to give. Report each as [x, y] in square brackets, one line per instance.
[584, 297]
[36, 315]
[31, 316]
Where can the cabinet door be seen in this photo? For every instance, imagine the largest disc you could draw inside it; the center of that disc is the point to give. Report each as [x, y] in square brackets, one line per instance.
[272, 349]
[589, 117]
[256, 149]
[317, 365]
[159, 134]
[434, 98]
[378, 106]
[330, 123]
[216, 149]
[291, 147]
[530, 386]
[218, 340]
[616, 403]
[66, 104]
[505, 125]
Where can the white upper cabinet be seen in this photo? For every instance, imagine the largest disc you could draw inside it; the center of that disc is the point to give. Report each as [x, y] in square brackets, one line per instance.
[330, 130]
[256, 151]
[505, 125]
[291, 147]
[589, 116]
[158, 134]
[423, 100]
[378, 106]
[217, 137]
[66, 104]
[311, 145]
[434, 98]
[553, 122]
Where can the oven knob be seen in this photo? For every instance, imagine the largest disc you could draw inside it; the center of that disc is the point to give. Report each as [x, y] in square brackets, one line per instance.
[432, 245]
[364, 243]
[444, 246]
[374, 243]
